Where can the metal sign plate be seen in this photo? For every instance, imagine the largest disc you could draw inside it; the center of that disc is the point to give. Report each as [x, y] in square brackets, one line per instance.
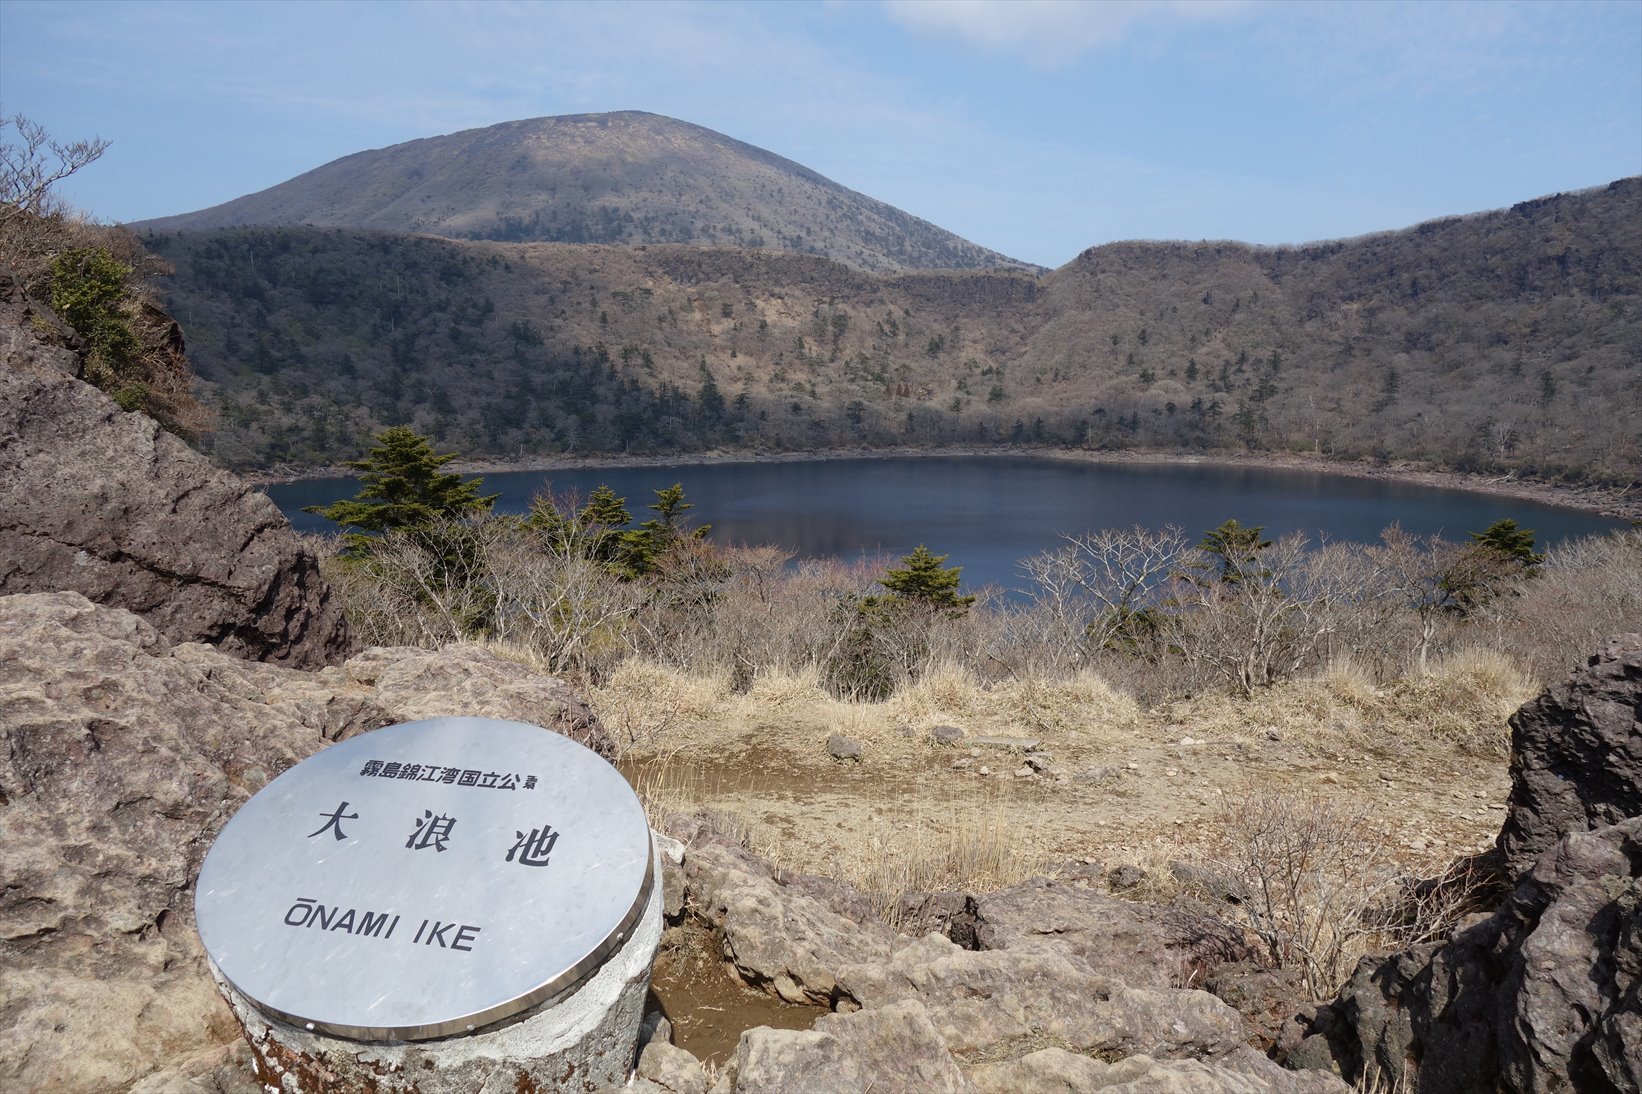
[425, 879]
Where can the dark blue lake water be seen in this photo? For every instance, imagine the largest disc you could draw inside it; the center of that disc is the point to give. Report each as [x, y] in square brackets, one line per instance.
[989, 512]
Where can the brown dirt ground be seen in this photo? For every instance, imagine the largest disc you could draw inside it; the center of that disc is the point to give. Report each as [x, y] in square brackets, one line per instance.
[1422, 763]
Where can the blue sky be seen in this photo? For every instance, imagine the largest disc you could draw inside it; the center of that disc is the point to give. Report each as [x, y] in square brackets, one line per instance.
[1034, 128]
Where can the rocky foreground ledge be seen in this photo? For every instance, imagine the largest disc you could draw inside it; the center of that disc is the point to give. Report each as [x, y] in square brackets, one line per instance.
[124, 754]
[1053, 984]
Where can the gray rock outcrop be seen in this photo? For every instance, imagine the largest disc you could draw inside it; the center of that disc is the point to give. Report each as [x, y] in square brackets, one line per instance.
[789, 937]
[1577, 755]
[121, 755]
[1142, 945]
[1057, 986]
[31, 337]
[1545, 994]
[106, 503]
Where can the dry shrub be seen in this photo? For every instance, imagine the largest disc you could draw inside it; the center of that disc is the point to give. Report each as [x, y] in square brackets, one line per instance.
[1347, 681]
[1428, 909]
[1586, 590]
[943, 693]
[1307, 711]
[780, 689]
[1051, 705]
[1079, 703]
[1313, 870]
[644, 704]
[1464, 699]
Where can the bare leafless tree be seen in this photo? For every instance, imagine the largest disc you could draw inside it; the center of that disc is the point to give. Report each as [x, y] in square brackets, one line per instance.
[1312, 869]
[1090, 592]
[32, 162]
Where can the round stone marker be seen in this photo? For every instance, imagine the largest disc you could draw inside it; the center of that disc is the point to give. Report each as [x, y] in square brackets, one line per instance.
[426, 879]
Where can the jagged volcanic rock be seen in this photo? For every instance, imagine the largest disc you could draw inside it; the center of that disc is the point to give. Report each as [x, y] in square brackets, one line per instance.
[106, 503]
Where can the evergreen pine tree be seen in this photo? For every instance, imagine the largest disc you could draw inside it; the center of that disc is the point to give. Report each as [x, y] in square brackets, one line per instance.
[1510, 543]
[642, 546]
[920, 579]
[402, 487]
[1233, 549]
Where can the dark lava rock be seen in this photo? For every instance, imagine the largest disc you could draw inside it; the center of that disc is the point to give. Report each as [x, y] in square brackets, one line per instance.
[1577, 754]
[1545, 994]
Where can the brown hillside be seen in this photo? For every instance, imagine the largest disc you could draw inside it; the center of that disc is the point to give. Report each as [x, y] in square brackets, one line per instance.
[627, 177]
[1507, 342]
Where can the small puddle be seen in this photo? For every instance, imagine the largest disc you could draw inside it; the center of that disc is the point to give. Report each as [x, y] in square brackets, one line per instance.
[708, 1007]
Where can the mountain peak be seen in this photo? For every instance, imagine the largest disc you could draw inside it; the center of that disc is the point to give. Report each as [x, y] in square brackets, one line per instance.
[627, 177]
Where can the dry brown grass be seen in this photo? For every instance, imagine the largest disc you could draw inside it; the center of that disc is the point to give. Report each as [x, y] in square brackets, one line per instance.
[950, 843]
[644, 704]
[1080, 705]
[1464, 699]
[918, 816]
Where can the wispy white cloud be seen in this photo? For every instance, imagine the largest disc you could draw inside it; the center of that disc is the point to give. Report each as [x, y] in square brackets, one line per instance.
[1051, 33]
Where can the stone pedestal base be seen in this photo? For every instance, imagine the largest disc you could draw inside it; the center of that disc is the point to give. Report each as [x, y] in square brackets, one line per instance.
[583, 1042]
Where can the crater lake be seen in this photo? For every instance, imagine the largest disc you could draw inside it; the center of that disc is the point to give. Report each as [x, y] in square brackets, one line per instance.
[988, 512]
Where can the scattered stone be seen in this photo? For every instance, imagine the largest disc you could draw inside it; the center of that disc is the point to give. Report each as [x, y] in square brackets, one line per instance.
[843, 748]
[1189, 741]
[1132, 766]
[1039, 761]
[1019, 744]
[1024, 772]
[984, 770]
[1330, 777]
[1124, 878]
[673, 893]
[1170, 772]
[946, 913]
[946, 735]
[671, 849]
[672, 1068]
[1265, 997]
[654, 1026]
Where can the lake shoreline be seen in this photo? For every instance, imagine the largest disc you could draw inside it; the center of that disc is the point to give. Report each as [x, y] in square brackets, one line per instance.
[1623, 504]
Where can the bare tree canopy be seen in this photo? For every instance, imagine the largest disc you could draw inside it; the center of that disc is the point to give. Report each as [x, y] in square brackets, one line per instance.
[32, 161]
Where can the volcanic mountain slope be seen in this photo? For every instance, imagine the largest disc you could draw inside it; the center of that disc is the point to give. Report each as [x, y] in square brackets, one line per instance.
[1508, 341]
[627, 177]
